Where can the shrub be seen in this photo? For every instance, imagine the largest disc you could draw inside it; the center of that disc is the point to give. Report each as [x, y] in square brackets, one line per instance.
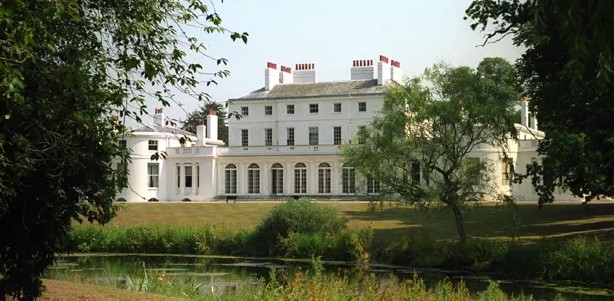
[153, 200]
[300, 217]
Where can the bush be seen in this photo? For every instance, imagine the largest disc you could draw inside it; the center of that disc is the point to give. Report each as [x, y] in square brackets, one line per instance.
[298, 217]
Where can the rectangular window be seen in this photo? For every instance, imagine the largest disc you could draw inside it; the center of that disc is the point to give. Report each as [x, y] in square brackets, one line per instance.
[507, 170]
[313, 136]
[372, 185]
[337, 107]
[268, 110]
[231, 181]
[361, 128]
[253, 181]
[313, 108]
[153, 175]
[187, 172]
[349, 180]
[300, 180]
[122, 143]
[268, 137]
[244, 111]
[153, 145]
[337, 135]
[244, 137]
[122, 174]
[197, 175]
[290, 109]
[362, 107]
[324, 179]
[290, 132]
[415, 172]
[277, 180]
[178, 176]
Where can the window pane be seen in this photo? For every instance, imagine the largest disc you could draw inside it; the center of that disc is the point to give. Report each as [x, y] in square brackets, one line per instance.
[268, 137]
[152, 175]
[337, 135]
[313, 136]
[337, 107]
[187, 171]
[153, 145]
[244, 137]
[362, 106]
[290, 136]
[313, 108]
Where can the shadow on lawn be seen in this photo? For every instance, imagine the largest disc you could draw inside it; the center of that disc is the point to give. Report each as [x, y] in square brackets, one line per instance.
[525, 221]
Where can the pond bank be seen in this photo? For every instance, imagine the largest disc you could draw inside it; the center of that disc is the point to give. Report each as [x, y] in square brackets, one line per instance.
[197, 277]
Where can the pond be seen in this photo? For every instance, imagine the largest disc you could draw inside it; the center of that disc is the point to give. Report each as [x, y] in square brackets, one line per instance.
[208, 274]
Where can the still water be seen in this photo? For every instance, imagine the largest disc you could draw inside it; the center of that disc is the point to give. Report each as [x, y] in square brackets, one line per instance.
[224, 274]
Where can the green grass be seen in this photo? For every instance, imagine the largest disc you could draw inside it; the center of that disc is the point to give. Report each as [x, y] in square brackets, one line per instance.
[392, 222]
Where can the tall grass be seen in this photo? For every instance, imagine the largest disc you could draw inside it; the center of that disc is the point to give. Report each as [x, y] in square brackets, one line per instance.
[313, 285]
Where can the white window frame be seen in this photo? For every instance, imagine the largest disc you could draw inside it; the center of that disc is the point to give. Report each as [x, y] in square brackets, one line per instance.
[314, 134]
[153, 175]
[337, 135]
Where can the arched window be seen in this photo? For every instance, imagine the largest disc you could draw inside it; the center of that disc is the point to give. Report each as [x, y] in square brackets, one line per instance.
[277, 178]
[349, 179]
[324, 177]
[253, 178]
[300, 178]
[230, 183]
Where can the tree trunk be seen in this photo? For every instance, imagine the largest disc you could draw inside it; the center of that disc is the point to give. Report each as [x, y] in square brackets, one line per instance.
[460, 223]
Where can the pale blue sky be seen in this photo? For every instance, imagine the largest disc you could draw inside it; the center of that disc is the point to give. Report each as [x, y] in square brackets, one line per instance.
[332, 33]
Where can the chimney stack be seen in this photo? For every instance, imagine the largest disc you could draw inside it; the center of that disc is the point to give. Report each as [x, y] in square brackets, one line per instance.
[212, 124]
[396, 74]
[158, 118]
[271, 76]
[305, 73]
[200, 133]
[285, 76]
[384, 70]
[362, 70]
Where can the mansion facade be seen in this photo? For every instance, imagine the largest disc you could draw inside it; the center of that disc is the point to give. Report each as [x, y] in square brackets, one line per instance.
[287, 143]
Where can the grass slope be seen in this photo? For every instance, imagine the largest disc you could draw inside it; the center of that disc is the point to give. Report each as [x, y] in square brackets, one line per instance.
[392, 221]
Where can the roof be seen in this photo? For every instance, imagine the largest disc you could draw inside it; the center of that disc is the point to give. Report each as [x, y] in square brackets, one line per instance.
[324, 89]
[154, 128]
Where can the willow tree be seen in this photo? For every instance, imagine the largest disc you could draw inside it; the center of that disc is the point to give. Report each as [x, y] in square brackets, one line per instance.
[420, 146]
[65, 68]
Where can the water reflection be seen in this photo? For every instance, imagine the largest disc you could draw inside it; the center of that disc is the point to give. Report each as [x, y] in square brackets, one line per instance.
[204, 275]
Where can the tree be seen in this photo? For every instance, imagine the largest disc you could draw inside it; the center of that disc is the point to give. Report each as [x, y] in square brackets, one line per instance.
[420, 147]
[201, 114]
[65, 68]
[568, 73]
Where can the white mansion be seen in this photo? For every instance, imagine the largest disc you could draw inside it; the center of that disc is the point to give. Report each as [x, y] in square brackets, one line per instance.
[287, 142]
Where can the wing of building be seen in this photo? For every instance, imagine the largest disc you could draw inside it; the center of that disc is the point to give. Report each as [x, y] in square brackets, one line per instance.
[286, 142]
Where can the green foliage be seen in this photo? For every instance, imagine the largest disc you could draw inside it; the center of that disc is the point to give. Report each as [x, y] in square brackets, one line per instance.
[567, 71]
[65, 67]
[433, 123]
[578, 259]
[297, 218]
[201, 114]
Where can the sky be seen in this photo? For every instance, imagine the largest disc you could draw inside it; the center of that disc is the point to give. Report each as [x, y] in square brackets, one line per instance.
[332, 33]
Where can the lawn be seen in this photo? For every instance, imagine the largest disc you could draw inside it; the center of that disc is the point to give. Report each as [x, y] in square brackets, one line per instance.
[392, 221]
